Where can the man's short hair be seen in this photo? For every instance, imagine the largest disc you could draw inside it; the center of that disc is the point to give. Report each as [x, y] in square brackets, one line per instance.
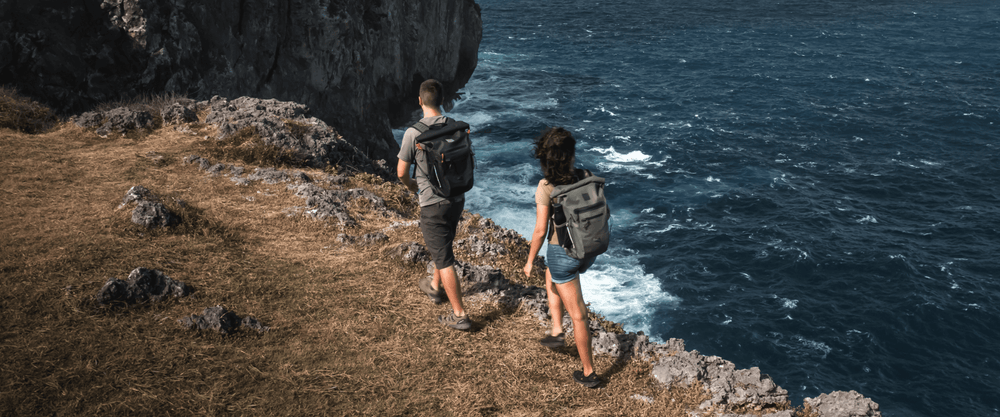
[432, 93]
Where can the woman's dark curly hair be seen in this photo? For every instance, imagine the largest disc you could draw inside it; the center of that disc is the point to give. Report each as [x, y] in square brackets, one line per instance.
[555, 149]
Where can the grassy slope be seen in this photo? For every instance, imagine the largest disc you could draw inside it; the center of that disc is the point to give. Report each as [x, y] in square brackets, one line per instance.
[350, 332]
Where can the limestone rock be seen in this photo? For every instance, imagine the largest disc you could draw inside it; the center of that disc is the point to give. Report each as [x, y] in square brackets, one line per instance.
[844, 404]
[729, 387]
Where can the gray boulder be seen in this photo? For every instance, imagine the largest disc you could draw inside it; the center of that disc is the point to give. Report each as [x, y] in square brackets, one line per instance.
[141, 285]
[149, 211]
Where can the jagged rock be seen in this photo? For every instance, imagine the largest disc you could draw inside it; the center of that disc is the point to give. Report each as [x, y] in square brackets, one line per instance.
[122, 120]
[203, 163]
[269, 175]
[89, 119]
[412, 252]
[217, 169]
[142, 285]
[480, 247]
[367, 239]
[149, 212]
[357, 64]
[178, 113]
[219, 319]
[844, 404]
[477, 278]
[744, 388]
[326, 203]
[284, 124]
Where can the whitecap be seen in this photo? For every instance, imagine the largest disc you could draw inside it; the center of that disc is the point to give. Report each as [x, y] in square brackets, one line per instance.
[867, 219]
[609, 167]
[615, 156]
[814, 345]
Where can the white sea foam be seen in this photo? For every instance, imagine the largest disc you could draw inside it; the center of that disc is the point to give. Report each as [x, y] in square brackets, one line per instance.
[634, 169]
[867, 219]
[618, 287]
[615, 156]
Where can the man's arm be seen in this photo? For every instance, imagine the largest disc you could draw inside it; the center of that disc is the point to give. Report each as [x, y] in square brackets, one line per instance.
[403, 172]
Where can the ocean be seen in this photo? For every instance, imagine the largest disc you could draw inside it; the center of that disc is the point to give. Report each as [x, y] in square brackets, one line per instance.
[809, 187]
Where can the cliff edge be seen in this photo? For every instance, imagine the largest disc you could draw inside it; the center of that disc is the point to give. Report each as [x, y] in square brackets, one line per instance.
[356, 64]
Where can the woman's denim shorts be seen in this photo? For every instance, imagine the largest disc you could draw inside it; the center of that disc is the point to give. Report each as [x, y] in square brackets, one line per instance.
[563, 268]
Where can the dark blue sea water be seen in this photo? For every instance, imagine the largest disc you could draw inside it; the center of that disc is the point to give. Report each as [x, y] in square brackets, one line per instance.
[809, 187]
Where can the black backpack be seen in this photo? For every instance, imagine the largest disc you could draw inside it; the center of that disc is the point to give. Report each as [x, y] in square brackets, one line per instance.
[580, 215]
[445, 154]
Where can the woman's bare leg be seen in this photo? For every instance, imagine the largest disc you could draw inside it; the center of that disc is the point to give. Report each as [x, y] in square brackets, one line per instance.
[572, 298]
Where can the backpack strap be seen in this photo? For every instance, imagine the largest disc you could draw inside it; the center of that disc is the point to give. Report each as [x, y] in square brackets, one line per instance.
[421, 127]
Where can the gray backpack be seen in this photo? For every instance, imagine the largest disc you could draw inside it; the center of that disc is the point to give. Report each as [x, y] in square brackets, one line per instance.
[580, 216]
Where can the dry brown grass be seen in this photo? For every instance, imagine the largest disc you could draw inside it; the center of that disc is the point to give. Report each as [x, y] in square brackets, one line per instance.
[350, 332]
[23, 114]
[246, 147]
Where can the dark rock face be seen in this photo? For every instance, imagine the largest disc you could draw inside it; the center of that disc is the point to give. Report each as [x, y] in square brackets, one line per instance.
[357, 64]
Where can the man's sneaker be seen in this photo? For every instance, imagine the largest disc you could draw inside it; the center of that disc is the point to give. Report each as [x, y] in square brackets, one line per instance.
[456, 322]
[437, 296]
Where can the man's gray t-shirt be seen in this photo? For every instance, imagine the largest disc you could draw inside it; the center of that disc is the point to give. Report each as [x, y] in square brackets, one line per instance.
[408, 153]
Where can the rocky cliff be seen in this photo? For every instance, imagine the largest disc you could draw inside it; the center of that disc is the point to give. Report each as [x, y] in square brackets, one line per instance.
[356, 64]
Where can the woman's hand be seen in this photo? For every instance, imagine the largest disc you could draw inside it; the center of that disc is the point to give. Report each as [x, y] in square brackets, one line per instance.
[527, 269]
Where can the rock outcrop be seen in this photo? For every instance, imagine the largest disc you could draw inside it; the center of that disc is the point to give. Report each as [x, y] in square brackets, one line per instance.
[221, 320]
[141, 285]
[149, 211]
[356, 64]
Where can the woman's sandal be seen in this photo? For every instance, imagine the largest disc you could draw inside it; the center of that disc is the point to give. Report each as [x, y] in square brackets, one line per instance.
[553, 342]
[589, 381]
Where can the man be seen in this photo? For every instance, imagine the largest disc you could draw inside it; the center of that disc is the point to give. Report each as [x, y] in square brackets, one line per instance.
[439, 216]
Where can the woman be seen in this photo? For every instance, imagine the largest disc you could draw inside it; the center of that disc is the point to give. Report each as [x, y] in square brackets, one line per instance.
[555, 150]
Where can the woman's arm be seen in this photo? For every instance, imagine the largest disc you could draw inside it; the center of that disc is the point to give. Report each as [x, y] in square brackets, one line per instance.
[538, 236]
